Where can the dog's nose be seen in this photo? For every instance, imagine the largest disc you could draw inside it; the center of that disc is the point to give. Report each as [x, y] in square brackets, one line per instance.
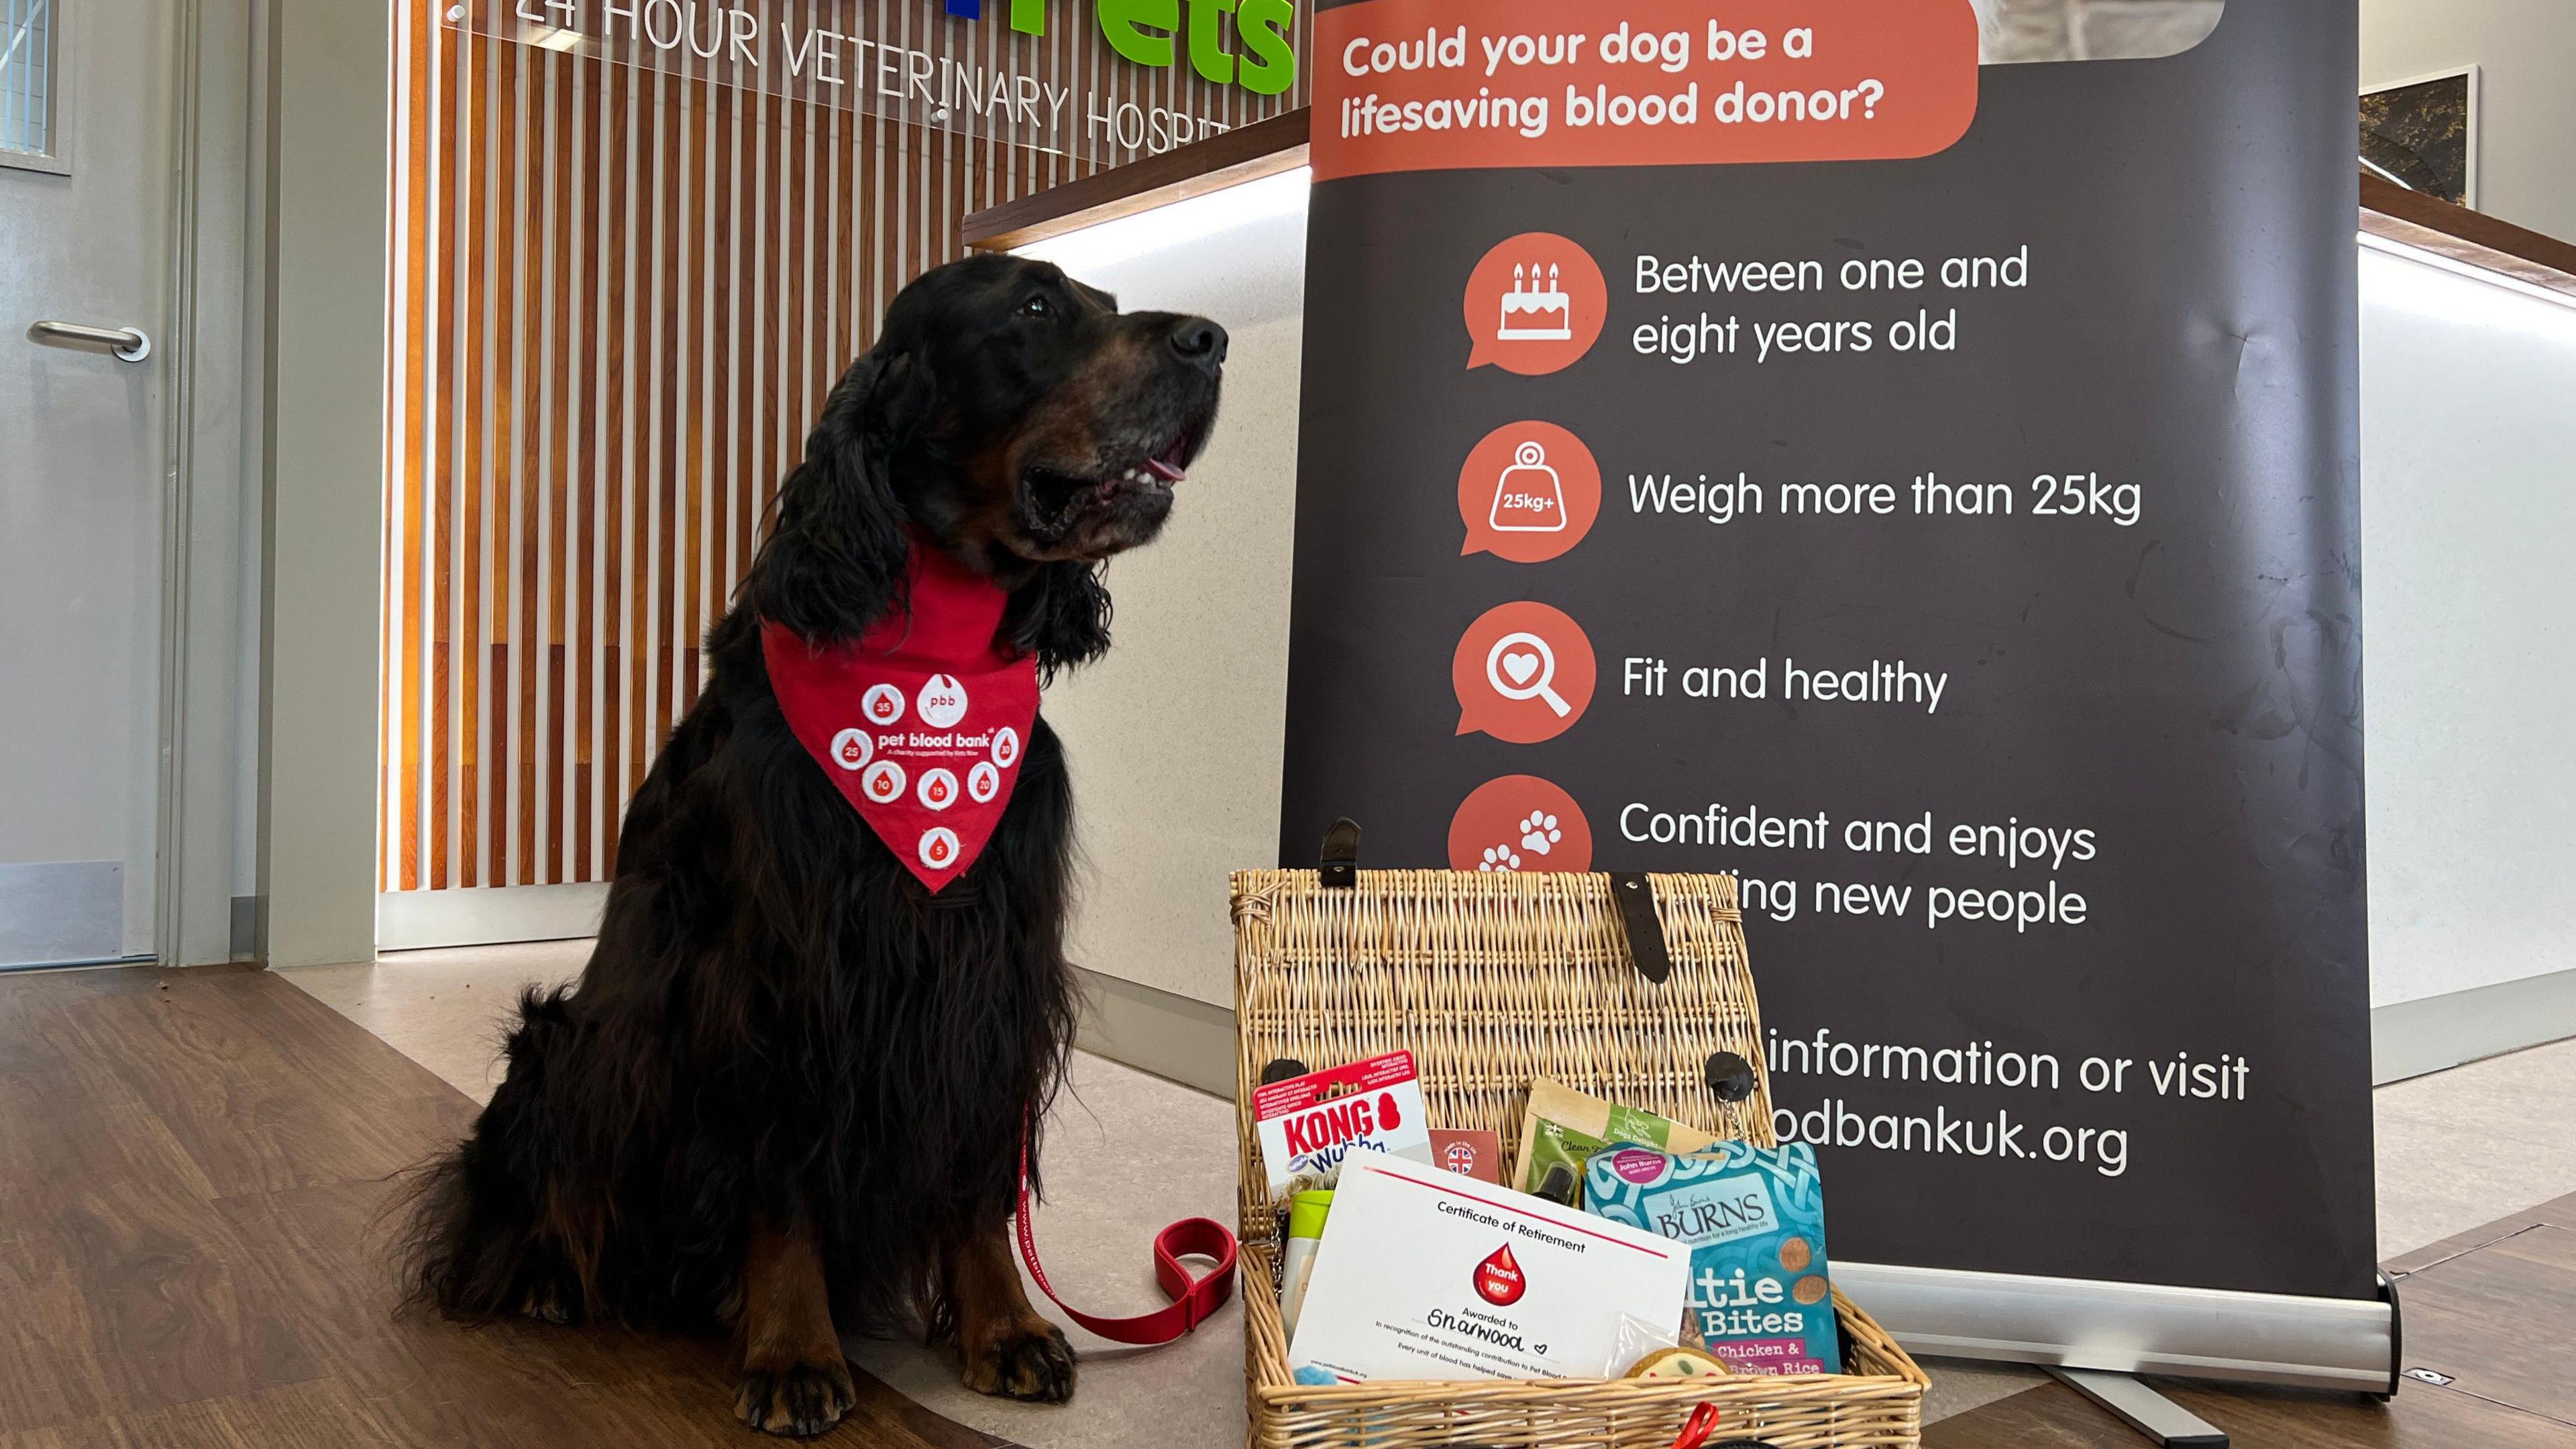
[1200, 342]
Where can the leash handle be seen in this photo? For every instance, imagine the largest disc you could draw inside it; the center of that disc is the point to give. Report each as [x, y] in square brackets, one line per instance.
[1699, 1429]
[1194, 1299]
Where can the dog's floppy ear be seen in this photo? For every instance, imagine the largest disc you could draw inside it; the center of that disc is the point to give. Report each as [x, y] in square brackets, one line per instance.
[1061, 615]
[834, 561]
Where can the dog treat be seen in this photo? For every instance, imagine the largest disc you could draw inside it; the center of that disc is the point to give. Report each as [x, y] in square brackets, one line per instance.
[1679, 1363]
[1469, 1154]
[1635, 1341]
[1306, 1214]
[1564, 1127]
[1310, 1125]
[1754, 1218]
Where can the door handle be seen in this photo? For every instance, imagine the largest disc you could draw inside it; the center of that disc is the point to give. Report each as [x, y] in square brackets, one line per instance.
[128, 343]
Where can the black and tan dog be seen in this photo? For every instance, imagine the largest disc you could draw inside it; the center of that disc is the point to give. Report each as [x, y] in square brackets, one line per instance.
[787, 1095]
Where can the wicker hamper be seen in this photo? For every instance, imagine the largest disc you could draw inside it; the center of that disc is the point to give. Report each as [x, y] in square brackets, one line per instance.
[1492, 980]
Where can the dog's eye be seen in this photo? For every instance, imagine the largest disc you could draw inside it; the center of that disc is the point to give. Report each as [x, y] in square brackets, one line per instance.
[1037, 307]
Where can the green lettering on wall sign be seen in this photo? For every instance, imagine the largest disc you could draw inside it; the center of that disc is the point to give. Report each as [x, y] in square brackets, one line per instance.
[1208, 54]
[1269, 64]
[1128, 25]
[1147, 32]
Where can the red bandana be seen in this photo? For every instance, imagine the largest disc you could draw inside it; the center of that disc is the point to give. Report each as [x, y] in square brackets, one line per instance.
[922, 722]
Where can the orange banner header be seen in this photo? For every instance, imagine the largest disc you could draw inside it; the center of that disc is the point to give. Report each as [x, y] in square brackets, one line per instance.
[1422, 85]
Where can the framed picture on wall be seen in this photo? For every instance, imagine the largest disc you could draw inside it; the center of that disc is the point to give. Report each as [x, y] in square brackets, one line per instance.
[2423, 134]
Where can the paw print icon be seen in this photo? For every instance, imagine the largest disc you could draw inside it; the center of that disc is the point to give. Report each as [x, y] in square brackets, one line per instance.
[1541, 833]
[1519, 822]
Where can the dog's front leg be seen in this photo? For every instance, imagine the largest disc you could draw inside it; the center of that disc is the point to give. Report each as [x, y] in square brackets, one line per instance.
[1006, 1349]
[794, 1380]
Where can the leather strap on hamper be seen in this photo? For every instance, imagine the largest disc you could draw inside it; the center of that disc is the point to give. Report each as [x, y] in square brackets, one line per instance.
[1194, 1300]
[1338, 865]
[1645, 929]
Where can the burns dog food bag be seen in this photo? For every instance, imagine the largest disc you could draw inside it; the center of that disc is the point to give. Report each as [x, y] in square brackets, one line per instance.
[1310, 1125]
[1754, 1217]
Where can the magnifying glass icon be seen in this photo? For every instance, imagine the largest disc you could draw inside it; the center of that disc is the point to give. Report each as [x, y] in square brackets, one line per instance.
[1541, 684]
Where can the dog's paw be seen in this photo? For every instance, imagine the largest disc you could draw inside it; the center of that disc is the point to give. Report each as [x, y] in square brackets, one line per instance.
[1031, 1363]
[796, 1400]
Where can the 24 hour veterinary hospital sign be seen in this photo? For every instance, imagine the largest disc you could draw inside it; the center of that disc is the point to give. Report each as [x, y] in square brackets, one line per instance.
[1930, 494]
[946, 63]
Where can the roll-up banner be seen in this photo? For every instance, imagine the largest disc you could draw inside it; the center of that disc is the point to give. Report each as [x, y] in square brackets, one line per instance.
[1753, 437]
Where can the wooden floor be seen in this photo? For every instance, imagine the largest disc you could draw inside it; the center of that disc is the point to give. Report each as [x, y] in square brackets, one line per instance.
[2494, 1309]
[191, 1164]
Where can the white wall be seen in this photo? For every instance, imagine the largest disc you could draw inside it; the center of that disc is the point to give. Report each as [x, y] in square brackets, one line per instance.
[323, 392]
[2468, 462]
[1176, 738]
[2527, 53]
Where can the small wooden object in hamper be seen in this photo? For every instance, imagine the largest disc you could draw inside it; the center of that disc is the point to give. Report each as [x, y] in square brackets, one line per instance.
[1491, 981]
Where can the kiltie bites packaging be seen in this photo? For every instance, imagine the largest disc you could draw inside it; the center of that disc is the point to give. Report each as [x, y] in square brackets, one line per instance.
[1754, 1217]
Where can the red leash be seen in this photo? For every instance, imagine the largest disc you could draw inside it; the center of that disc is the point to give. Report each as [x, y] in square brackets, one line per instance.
[1701, 1428]
[1194, 1300]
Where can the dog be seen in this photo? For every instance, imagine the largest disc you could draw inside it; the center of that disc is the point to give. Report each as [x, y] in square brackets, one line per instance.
[787, 1096]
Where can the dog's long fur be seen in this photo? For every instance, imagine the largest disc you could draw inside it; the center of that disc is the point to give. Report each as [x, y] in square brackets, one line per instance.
[780, 1030]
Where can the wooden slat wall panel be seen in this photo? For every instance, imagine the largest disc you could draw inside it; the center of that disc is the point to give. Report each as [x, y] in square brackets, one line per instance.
[620, 297]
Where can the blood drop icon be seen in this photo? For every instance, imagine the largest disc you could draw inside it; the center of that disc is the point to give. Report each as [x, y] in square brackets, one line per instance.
[1499, 1280]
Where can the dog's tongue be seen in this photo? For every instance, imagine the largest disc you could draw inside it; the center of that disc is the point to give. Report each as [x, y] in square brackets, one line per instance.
[1166, 465]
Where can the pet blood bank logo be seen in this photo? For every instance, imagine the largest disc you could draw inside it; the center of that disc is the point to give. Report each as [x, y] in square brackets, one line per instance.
[852, 749]
[1529, 493]
[942, 702]
[1519, 822]
[1523, 673]
[1499, 1279]
[1535, 305]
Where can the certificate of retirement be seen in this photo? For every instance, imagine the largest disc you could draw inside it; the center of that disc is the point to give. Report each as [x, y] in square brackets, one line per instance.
[1424, 1274]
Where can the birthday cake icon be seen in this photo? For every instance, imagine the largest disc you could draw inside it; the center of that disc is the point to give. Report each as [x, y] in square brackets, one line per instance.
[1534, 311]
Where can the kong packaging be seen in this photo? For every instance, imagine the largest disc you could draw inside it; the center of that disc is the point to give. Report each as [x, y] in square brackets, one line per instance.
[1310, 1125]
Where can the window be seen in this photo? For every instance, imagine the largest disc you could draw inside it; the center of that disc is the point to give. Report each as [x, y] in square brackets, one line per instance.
[27, 77]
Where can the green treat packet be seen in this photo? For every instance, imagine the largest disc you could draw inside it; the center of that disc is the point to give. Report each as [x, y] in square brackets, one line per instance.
[1564, 1127]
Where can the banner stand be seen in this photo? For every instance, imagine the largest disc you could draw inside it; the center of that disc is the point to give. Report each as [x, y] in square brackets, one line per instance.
[2143, 1409]
[1928, 493]
[2130, 1328]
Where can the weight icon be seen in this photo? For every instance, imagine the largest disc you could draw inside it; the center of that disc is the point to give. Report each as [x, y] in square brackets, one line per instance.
[1529, 497]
